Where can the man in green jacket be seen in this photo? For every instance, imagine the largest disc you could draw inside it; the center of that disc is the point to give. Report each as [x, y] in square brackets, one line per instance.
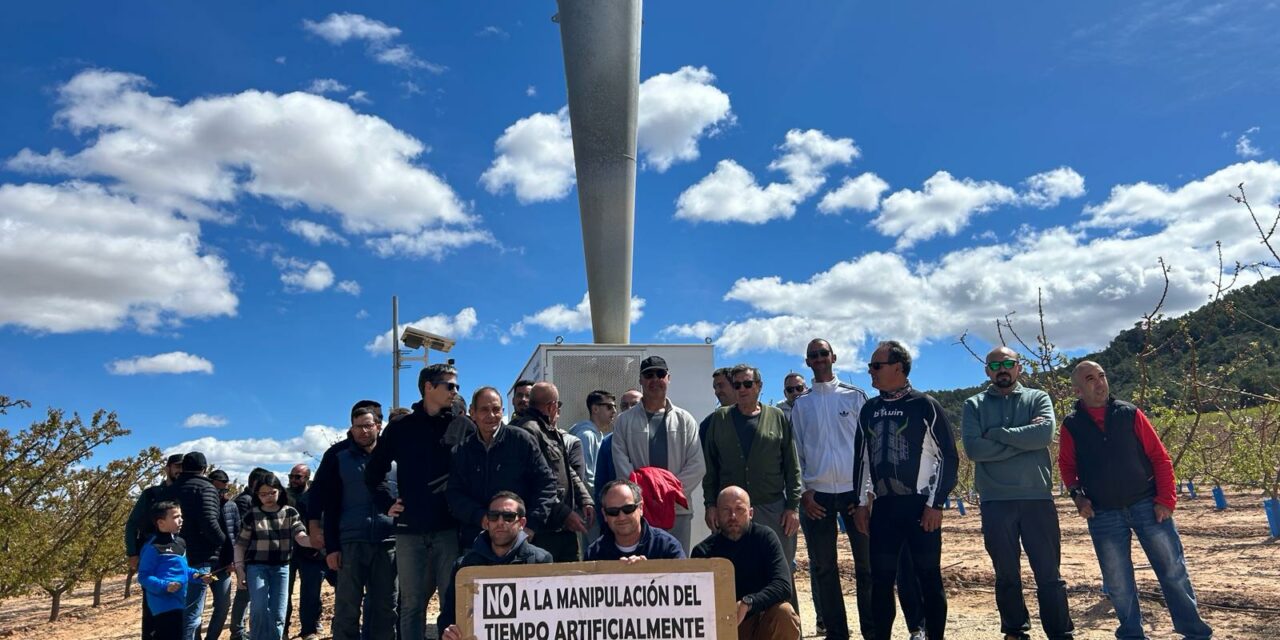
[1006, 431]
[750, 445]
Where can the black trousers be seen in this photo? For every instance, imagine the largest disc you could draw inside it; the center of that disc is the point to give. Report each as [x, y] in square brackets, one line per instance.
[562, 545]
[148, 626]
[821, 537]
[895, 523]
[168, 625]
[1008, 527]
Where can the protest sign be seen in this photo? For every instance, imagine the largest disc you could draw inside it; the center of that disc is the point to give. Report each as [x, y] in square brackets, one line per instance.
[667, 599]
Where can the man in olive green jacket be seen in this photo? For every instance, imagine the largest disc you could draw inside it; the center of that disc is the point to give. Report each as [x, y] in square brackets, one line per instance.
[750, 445]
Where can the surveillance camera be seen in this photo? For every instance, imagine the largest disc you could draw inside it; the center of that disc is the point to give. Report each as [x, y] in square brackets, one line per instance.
[415, 338]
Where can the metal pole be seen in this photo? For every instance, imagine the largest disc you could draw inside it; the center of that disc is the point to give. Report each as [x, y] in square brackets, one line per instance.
[395, 352]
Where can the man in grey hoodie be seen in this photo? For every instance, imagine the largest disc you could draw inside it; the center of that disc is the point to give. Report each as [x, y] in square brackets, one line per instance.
[1006, 431]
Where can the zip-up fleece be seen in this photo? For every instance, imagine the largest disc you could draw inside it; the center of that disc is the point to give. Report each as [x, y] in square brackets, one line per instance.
[906, 449]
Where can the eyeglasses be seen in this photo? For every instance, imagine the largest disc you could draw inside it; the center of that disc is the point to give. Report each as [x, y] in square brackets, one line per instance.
[509, 516]
[875, 366]
[820, 353]
[738, 384]
[367, 427]
[796, 389]
[654, 373]
[1007, 364]
[453, 386]
[628, 509]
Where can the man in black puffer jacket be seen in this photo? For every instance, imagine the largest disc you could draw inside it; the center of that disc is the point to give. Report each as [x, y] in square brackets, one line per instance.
[201, 529]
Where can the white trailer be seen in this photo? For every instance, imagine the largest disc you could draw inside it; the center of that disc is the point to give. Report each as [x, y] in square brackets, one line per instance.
[579, 369]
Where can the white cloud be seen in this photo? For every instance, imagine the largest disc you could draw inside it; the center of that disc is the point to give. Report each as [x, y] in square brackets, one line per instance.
[362, 314]
[944, 206]
[862, 193]
[698, 330]
[458, 326]
[314, 233]
[1095, 281]
[731, 194]
[281, 59]
[675, 111]
[294, 149]
[341, 27]
[302, 276]
[1244, 144]
[349, 287]
[531, 91]
[359, 97]
[429, 243]
[492, 31]
[560, 317]
[172, 362]
[322, 86]
[91, 259]
[534, 156]
[204, 420]
[239, 457]
[535, 159]
[411, 88]
[1047, 189]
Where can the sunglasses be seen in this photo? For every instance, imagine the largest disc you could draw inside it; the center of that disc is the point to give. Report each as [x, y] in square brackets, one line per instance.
[628, 509]
[1007, 364]
[796, 389]
[509, 516]
[453, 386]
[738, 384]
[654, 373]
[820, 353]
[875, 366]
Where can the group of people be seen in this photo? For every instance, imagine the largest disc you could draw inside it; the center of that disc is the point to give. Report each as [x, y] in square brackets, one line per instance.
[395, 512]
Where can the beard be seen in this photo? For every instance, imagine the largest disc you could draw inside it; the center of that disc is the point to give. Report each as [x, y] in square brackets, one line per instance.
[1004, 381]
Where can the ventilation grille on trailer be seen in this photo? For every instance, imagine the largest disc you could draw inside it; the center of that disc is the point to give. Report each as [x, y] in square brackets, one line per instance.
[577, 374]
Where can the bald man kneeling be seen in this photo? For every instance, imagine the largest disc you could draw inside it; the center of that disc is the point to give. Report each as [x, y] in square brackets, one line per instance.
[762, 577]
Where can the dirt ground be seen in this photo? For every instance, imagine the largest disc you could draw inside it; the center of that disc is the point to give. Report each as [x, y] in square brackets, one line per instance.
[1235, 568]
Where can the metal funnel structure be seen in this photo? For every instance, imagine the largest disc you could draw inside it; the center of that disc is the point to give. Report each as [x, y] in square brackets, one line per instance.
[601, 40]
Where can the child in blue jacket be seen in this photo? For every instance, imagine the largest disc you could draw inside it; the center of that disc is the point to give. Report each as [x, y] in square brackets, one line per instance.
[164, 574]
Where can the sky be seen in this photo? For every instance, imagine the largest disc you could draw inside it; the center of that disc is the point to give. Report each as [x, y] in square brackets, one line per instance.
[205, 208]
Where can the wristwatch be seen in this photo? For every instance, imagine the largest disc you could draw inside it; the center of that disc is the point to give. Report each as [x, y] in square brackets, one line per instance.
[749, 601]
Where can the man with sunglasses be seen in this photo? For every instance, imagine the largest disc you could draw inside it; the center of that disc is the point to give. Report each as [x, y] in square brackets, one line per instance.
[420, 445]
[750, 445]
[601, 409]
[627, 537]
[656, 433]
[564, 523]
[503, 542]
[905, 465]
[825, 421]
[792, 388]
[1007, 430]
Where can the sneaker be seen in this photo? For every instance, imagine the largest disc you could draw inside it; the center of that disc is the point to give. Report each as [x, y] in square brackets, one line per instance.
[918, 634]
[822, 629]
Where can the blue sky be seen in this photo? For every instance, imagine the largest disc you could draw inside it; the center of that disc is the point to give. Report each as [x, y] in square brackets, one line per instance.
[205, 209]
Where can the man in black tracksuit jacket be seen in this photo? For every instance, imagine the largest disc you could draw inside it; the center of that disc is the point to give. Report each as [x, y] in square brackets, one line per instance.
[426, 533]
[201, 529]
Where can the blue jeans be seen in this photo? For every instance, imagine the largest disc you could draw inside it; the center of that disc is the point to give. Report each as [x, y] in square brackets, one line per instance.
[1112, 532]
[221, 590]
[268, 589]
[195, 604]
[424, 563]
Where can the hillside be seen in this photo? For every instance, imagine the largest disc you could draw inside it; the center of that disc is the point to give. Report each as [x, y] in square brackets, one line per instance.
[1221, 333]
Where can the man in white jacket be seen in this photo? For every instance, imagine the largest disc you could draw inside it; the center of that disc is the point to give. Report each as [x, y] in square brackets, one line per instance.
[656, 433]
[825, 422]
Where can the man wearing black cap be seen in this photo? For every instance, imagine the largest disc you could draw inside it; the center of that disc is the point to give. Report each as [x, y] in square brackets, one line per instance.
[201, 530]
[656, 433]
[137, 528]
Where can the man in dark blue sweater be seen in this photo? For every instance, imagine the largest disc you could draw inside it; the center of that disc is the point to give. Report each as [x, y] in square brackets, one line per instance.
[626, 536]
[426, 532]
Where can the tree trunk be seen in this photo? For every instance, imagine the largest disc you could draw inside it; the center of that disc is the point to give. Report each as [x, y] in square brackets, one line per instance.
[97, 591]
[128, 584]
[56, 609]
